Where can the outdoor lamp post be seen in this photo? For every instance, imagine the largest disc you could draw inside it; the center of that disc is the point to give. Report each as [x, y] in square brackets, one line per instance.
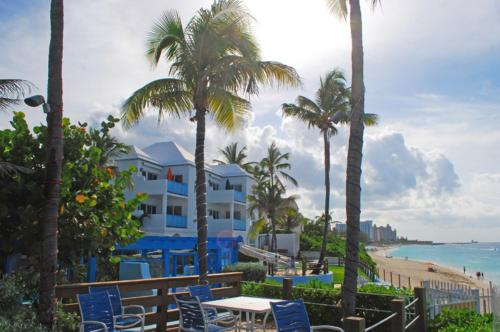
[37, 100]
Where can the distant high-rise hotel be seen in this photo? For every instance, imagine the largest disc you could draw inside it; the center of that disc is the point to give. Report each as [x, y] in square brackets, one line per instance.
[365, 226]
[384, 234]
[373, 232]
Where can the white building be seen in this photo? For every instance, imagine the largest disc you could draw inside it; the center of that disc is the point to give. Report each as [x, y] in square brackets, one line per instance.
[166, 172]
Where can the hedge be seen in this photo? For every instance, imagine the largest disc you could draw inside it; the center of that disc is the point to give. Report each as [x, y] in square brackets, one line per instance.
[251, 271]
[323, 304]
[461, 321]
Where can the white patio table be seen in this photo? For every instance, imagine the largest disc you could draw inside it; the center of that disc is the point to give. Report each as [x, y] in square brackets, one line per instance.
[249, 305]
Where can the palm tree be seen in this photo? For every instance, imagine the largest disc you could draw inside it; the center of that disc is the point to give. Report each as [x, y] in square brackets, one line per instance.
[50, 210]
[330, 108]
[214, 59]
[12, 91]
[271, 188]
[355, 150]
[232, 155]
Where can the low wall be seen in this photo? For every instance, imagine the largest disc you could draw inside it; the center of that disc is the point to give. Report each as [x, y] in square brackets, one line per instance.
[315, 255]
[325, 278]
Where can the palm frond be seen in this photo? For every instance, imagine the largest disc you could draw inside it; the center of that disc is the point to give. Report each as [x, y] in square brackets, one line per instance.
[275, 73]
[228, 110]
[289, 178]
[10, 170]
[370, 119]
[338, 8]
[12, 91]
[167, 35]
[166, 95]
[256, 228]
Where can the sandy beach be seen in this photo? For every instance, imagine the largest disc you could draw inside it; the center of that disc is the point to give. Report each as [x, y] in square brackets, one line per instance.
[408, 272]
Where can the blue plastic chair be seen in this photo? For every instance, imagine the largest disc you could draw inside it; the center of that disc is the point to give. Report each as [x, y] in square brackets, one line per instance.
[192, 317]
[204, 294]
[97, 314]
[122, 320]
[291, 316]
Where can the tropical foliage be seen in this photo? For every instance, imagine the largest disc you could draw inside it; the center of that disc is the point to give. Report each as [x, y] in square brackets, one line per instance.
[461, 321]
[16, 316]
[251, 271]
[311, 239]
[94, 215]
[329, 109]
[231, 155]
[12, 91]
[323, 301]
[268, 194]
[214, 60]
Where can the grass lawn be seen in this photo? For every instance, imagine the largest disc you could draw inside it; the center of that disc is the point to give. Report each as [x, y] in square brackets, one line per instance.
[338, 273]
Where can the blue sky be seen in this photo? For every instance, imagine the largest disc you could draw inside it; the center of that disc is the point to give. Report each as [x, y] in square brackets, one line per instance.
[432, 70]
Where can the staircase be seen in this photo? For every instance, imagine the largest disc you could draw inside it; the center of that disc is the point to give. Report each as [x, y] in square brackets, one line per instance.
[265, 256]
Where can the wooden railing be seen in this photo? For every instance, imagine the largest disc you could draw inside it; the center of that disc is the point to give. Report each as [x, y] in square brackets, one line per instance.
[416, 309]
[229, 285]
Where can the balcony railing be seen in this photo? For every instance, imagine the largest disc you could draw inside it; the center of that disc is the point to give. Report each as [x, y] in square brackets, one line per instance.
[239, 196]
[176, 221]
[177, 188]
[239, 225]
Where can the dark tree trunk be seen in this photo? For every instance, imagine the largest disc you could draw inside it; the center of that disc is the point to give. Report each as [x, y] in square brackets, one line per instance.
[354, 158]
[322, 254]
[201, 195]
[274, 240]
[50, 209]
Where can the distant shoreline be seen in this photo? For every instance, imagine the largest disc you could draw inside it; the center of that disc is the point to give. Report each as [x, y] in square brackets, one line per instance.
[412, 272]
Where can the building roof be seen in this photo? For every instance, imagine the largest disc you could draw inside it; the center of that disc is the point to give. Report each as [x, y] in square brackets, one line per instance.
[136, 153]
[169, 153]
[229, 170]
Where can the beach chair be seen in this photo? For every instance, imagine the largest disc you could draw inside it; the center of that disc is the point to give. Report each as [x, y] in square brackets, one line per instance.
[192, 317]
[291, 316]
[97, 314]
[121, 317]
[204, 294]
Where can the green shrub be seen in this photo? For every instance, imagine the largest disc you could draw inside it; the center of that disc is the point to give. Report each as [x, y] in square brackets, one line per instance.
[461, 321]
[251, 271]
[386, 290]
[323, 302]
[18, 295]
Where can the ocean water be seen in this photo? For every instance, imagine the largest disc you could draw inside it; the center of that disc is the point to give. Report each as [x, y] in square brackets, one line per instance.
[484, 257]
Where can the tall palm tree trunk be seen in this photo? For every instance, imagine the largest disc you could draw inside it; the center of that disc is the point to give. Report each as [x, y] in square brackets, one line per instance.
[274, 239]
[201, 195]
[50, 210]
[354, 158]
[322, 254]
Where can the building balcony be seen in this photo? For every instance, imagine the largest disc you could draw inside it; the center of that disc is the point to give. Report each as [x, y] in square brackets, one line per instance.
[239, 225]
[176, 221]
[239, 196]
[159, 187]
[177, 188]
[225, 196]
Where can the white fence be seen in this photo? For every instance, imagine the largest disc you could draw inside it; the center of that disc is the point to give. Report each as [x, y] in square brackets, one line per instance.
[442, 295]
[495, 308]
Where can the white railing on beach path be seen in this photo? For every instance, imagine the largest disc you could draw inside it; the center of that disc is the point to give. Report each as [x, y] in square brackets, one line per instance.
[402, 281]
[495, 308]
[442, 295]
